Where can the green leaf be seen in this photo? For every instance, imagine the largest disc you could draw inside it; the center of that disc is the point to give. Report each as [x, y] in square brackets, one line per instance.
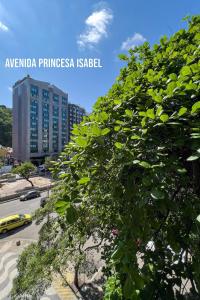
[123, 57]
[84, 180]
[62, 203]
[75, 131]
[145, 164]
[105, 131]
[63, 175]
[150, 113]
[135, 137]
[129, 113]
[151, 267]
[136, 161]
[143, 122]
[171, 87]
[81, 141]
[185, 71]
[195, 107]
[119, 122]
[71, 215]
[164, 118]
[182, 171]
[104, 116]
[192, 157]
[157, 194]
[173, 76]
[182, 111]
[61, 206]
[159, 110]
[117, 102]
[142, 114]
[117, 128]
[117, 253]
[118, 145]
[95, 130]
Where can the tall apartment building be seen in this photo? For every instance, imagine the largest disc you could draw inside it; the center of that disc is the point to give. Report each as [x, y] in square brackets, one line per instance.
[40, 119]
[76, 114]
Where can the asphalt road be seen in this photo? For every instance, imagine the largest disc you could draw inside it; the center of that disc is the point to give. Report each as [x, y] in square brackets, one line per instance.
[21, 207]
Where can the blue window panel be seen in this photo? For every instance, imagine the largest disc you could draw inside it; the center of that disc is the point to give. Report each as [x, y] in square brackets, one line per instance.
[64, 101]
[45, 94]
[55, 98]
[34, 91]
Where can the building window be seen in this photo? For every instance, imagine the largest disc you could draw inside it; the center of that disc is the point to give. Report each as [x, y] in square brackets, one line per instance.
[64, 101]
[34, 91]
[33, 147]
[45, 127]
[33, 120]
[45, 94]
[55, 111]
[55, 98]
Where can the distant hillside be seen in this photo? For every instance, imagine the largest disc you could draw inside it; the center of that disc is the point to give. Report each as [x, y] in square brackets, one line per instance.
[5, 126]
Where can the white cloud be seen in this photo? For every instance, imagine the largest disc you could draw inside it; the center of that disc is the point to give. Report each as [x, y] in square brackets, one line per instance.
[3, 27]
[10, 88]
[131, 42]
[96, 28]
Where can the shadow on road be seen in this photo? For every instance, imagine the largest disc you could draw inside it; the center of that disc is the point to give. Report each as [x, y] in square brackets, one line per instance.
[13, 231]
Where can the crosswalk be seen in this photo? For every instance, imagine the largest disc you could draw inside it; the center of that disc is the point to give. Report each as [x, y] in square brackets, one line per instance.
[8, 271]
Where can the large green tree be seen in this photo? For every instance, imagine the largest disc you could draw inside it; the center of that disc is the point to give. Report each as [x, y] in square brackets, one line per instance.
[131, 174]
[5, 126]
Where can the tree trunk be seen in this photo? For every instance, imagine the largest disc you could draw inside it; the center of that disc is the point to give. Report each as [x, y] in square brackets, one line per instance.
[30, 181]
[76, 279]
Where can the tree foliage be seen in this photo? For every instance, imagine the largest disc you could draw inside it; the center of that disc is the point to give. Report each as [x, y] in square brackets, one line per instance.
[25, 170]
[5, 126]
[133, 166]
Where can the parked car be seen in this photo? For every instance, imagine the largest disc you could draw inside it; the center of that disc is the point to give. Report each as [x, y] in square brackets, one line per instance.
[43, 201]
[29, 195]
[14, 221]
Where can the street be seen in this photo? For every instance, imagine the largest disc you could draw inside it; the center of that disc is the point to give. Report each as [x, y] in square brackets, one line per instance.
[21, 207]
[9, 251]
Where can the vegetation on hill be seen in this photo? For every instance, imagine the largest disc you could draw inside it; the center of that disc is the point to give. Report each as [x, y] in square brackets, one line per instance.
[130, 180]
[5, 126]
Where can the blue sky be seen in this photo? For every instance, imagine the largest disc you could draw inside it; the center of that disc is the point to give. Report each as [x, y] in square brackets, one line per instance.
[81, 28]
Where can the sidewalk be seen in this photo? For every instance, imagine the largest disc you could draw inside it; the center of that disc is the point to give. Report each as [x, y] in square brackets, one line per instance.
[64, 291]
[10, 249]
[10, 188]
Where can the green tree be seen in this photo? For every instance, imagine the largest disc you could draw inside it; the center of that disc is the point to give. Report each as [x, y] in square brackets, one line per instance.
[133, 166]
[25, 170]
[49, 162]
[5, 126]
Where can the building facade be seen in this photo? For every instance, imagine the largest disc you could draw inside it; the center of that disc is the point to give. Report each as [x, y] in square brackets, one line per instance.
[75, 116]
[40, 120]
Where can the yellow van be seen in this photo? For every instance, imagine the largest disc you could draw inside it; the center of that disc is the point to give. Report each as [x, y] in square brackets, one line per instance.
[14, 221]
